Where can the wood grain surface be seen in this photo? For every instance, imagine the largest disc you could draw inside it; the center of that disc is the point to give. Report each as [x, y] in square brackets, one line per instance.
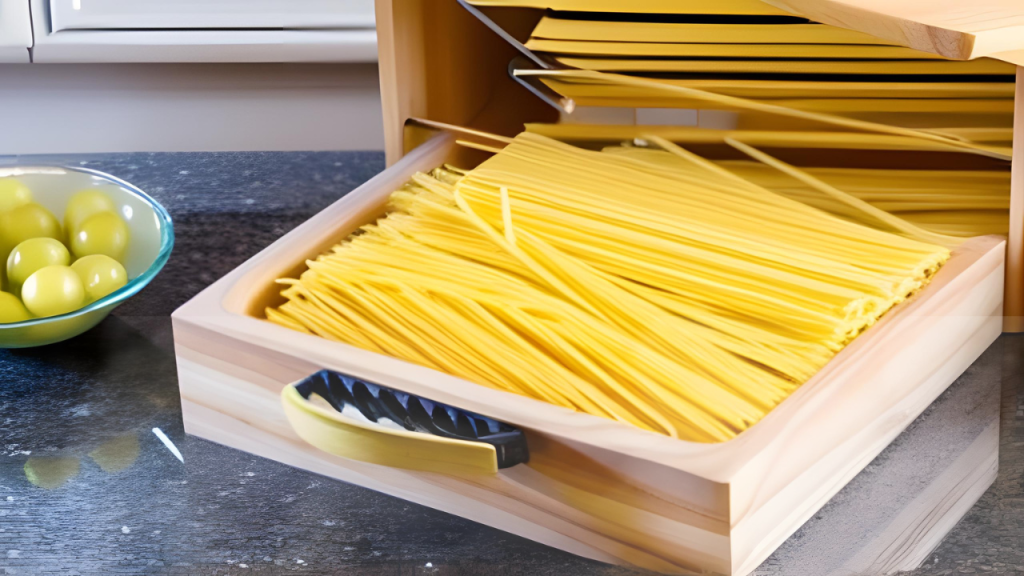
[953, 28]
[596, 487]
[1015, 239]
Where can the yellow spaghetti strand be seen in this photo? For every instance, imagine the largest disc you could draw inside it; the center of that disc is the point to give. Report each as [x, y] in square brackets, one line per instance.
[651, 287]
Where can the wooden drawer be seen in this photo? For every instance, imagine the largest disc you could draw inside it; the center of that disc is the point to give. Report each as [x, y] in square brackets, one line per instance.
[593, 486]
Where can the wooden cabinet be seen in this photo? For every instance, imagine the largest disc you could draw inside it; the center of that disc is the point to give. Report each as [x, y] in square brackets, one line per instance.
[592, 487]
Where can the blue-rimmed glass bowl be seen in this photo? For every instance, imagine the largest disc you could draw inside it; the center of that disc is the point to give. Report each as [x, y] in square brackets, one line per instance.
[152, 237]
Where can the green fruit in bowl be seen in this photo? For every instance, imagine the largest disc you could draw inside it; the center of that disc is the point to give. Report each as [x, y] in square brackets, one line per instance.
[28, 221]
[13, 194]
[66, 305]
[84, 205]
[12, 310]
[52, 291]
[31, 255]
[100, 275]
[24, 223]
[103, 233]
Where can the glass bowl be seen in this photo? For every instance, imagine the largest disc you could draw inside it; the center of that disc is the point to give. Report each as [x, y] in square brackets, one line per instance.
[151, 240]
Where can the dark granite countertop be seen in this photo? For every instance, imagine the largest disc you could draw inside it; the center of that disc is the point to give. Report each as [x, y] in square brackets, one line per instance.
[110, 498]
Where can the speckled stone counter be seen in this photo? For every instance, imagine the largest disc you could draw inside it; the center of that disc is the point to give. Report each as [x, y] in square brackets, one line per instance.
[106, 496]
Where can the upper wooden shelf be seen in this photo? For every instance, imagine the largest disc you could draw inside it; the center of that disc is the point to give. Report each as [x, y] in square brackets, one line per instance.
[957, 29]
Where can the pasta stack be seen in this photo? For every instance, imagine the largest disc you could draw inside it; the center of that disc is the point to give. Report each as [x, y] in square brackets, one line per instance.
[962, 203]
[666, 292]
[791, 84]
[752, 50]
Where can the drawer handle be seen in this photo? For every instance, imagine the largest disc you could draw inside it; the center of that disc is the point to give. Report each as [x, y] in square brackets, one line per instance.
[356, 419]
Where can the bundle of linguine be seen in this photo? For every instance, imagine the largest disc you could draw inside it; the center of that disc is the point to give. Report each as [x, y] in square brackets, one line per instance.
[952, 202]
[752, 50]
[784, 83]
[654, 288]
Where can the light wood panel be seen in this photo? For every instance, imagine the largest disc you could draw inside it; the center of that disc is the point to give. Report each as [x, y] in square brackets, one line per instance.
[953, 28]
[666, 505]
[891, 518]
[439, 62]
[918, 508]
[1015, 240]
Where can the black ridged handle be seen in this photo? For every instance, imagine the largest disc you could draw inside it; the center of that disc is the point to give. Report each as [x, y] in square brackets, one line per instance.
[416, 414]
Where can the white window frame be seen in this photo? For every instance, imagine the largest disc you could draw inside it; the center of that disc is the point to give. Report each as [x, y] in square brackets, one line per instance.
[210, 14]
[239, 45]
[15, 31]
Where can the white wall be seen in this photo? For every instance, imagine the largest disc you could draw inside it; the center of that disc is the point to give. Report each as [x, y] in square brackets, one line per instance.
[69, 108]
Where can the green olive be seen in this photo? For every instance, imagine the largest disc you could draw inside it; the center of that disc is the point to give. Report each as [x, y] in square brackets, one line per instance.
[31, 255]
[12, 310]
[100, 275]
[13, 194]
[52, 291]
[26, 222]
[102, 233]
[83, 205]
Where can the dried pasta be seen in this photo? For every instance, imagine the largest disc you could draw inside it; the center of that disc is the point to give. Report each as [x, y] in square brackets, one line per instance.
[674, 296]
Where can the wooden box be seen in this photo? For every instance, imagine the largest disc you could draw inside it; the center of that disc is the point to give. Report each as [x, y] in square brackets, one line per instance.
[593, 487]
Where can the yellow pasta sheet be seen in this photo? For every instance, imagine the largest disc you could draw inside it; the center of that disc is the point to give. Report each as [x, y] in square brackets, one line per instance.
[783, 89]
[666, 49]
[739, 7]
[608, 31]
[773, 139]
[905, 105]
[984, 66]
[994, 135]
